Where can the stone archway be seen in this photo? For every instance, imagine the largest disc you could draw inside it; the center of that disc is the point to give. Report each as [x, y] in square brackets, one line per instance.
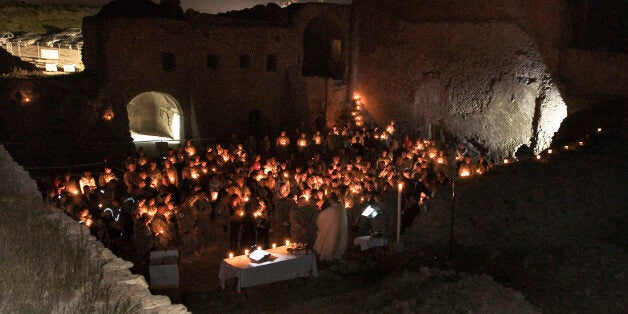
[155, 117]
[323, 42]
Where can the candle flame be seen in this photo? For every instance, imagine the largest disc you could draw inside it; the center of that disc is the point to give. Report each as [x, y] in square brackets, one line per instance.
[230, 255]
[274, 245]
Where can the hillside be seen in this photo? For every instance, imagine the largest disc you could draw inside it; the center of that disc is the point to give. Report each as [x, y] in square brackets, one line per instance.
[555, 230]
[20, 18]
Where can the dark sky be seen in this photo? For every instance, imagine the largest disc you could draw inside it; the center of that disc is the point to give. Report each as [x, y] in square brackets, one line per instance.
[210, 6]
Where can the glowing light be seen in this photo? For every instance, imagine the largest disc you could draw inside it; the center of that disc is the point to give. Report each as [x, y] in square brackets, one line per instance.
[176, 126]
[465, 173]
[566, 147]
[356, 97]
[230, 255]
[108, 115]
[246, 252]
[274, 245]
[287, 242]
[259, 248]
[549, 151]
[506, 161]
[599, 130]
[538, 157]
[581, 143]
[400, 186]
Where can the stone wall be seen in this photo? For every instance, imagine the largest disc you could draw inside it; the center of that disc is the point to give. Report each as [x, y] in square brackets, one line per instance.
[57, 121]
[222, 93]
[483, 82]
[497, 73]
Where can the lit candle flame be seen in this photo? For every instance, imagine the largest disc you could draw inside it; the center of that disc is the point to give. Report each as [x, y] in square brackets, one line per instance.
[274, 245]
[259, 248]
[246, 252]
[287, 242]
[230, 255]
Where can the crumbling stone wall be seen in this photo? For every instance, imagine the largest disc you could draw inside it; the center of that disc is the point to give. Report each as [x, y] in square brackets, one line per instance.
[483, 82]
[222, 94]
[499, 74]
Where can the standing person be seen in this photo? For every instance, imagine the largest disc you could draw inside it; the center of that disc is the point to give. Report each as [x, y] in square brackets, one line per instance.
[331, 241]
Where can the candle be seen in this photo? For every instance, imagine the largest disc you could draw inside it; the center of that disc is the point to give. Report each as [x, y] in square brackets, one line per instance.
[230, 255]
[549, 151]
[287, 242]
[599, 130]
[259, 248]
[400, 188]
[274, 245]
[246, 252]
[538, 157]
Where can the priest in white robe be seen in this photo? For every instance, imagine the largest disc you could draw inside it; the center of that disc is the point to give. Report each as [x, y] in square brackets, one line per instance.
[331, 240]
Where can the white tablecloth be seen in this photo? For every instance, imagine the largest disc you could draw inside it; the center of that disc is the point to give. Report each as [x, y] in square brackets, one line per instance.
[284, 266]
[367, 242]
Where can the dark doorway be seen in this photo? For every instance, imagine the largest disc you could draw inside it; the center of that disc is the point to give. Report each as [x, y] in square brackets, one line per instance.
[323, 44]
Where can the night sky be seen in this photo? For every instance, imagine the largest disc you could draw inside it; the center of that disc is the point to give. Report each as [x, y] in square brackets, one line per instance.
[209, 6]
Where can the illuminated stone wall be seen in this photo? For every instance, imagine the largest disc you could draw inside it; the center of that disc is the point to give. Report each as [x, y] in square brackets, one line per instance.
[478, 76]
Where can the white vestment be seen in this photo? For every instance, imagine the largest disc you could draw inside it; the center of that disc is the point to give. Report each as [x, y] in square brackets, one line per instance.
[331, 240]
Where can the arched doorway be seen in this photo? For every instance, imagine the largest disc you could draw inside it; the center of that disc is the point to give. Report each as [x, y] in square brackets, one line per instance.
[155, 117]
[323, 42]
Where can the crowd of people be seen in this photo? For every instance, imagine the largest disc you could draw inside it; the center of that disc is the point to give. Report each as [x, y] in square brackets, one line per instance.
[254, 193]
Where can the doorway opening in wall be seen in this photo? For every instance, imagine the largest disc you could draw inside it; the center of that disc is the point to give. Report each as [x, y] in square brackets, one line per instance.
[323, 42]
[155, 117]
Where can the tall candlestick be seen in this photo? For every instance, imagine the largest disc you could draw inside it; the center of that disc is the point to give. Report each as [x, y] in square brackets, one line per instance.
[399, 212]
